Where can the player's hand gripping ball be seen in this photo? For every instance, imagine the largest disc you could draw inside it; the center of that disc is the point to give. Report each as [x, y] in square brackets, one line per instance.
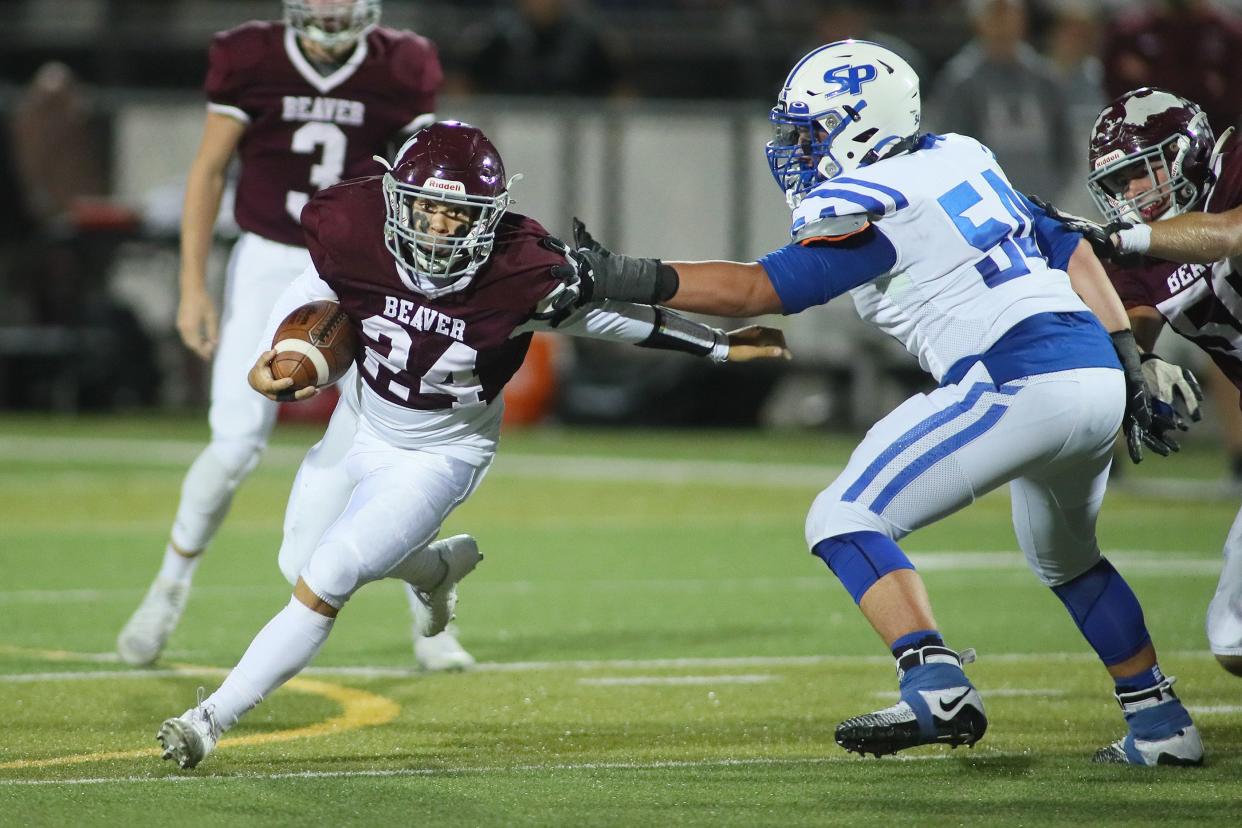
[313, 347]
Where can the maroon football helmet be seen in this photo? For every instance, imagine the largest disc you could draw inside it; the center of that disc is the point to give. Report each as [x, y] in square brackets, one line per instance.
[1154, 134]
[457, 169]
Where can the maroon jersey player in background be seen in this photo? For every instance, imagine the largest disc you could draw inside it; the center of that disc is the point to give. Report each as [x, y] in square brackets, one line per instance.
[1173, 194]
[444, 288]
[303, 103]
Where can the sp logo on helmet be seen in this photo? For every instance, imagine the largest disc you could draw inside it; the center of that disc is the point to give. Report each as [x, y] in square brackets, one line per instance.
[848, 78]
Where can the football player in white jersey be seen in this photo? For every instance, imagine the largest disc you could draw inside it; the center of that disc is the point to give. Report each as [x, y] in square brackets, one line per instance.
[1172, 192]
[938, 250]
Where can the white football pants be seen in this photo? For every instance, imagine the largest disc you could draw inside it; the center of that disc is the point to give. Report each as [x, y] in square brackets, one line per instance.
[360, 506]
[1224, 615]
[241, 419]
[1049, 436]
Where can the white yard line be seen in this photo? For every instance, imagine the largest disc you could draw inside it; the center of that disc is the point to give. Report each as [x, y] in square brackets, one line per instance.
[504, 770]
[640, 681]
[1211, 709]
[1138, 561]
[179, 453]
[584, 467]
[382, 672]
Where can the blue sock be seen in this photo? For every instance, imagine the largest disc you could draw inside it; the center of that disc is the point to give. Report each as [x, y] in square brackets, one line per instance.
[916, 640]
[1140, 680]
[1106, 612]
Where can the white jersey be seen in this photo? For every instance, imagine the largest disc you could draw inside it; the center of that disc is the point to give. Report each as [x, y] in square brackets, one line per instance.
[967, 267]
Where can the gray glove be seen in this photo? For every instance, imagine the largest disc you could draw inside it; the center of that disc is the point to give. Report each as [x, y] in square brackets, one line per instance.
[625, 278]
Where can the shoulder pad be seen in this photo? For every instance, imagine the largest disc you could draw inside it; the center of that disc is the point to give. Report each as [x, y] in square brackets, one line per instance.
[830, 227]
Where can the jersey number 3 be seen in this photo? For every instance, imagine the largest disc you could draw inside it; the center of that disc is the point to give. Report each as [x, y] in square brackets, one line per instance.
[1012, 238]
[308, 138]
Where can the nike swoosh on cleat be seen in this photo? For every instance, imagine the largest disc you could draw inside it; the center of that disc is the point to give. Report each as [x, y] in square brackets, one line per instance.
[952, 707]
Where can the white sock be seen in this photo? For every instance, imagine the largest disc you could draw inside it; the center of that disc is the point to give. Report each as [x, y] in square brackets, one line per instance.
[178, 567]
[278, 653]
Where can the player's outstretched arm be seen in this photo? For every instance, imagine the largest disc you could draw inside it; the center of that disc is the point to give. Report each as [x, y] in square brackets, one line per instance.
[197, 319]
[1191, 238]
[660, 328]
[719, 288]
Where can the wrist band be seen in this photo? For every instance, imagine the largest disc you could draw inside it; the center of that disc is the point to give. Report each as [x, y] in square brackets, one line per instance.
[1136, 239]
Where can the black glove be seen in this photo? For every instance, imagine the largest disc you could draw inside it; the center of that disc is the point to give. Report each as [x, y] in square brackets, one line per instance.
[585, 241]
[626, 278]
[1136, 424]
[1099, 236]
[574, 284]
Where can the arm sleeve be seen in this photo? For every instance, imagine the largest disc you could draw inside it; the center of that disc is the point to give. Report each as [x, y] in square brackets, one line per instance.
[807, 275]
[616, 321]
[1055, 241]
[308, 287]
[642, 325]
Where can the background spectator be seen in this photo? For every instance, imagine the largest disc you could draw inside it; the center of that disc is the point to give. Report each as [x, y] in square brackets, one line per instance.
[1189, 47]
[541, 47]
[1000, 90]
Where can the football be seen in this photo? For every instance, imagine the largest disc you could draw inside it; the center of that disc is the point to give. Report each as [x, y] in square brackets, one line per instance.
[315, 345]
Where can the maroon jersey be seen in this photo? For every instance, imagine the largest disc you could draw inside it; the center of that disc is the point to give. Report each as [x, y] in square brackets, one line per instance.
[1202, 302]
[305, 131]
[422, 353]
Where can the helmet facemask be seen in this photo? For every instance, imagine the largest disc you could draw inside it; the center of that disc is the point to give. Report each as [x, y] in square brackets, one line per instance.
[438, 264]
[1171, 193]
[332, 23]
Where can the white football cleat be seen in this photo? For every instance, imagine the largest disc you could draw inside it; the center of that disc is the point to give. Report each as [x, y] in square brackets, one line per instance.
[1182, 748]
[191, 737]
[443, 652]
[143, 637]
[459, 555]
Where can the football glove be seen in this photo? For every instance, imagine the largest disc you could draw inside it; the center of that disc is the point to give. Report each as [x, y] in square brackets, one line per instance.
[1136, 423]
[1175, 393]
[1101, 237]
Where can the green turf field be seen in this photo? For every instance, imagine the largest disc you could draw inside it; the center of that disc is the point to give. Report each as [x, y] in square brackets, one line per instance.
[656, 647]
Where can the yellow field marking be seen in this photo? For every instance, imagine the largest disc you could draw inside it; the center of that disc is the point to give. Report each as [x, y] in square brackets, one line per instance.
[359, 709]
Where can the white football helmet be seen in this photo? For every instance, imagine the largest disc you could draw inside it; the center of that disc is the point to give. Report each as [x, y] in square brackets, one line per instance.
[332, 23]
[843, 106]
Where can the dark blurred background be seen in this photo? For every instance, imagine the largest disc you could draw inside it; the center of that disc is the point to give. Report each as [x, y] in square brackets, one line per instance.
[645, 116]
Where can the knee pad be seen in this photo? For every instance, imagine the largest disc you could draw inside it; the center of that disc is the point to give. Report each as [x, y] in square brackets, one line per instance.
[1106, 611]
[237, 456]
[334, 572]
[859, 559]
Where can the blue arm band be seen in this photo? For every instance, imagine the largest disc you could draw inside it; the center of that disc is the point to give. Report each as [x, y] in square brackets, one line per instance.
[1055, 242]
[812, 275]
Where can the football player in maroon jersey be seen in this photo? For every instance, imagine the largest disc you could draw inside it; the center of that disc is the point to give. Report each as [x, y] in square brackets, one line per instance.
[1172, 193]
[445, 287]
[303, 104]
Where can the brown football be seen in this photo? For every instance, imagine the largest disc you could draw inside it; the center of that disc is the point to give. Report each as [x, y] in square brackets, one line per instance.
[315, 345]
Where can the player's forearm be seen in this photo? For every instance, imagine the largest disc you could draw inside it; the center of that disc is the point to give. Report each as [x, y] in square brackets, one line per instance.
[1090, 282]
[645, 326]
[1146, 322]
[732, 289]
[204, 191]
[1193, 238]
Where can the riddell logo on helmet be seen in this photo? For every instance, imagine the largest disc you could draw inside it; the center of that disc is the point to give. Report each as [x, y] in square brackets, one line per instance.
[446, 186]
[1109, 158]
